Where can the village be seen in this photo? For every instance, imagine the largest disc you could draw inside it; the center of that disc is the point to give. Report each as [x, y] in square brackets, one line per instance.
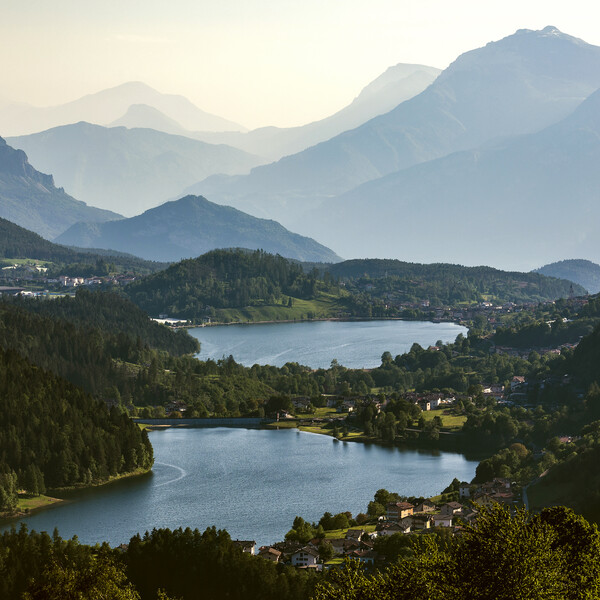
[375, 541]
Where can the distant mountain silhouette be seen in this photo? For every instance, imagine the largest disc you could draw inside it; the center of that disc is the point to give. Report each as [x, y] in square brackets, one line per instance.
[517, 85]
[515, 203]
[583, 272]
[190, 227]
[30, 199]
[129, 170]
[106, 106]
[397, 84]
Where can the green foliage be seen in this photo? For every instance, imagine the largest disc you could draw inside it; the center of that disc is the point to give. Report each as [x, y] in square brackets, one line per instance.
[224, 279]
[445, 284]
[553, 556]
[53, 434]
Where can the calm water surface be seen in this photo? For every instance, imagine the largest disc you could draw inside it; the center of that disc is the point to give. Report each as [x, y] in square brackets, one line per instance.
[251, 482]
[355, 344]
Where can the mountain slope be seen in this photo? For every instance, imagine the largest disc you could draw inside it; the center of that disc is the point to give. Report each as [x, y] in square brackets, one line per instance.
[397, 84]
[129, 170]
[105, 107]
[583, 272]
[515, 204]
[192, 226]
[519, 84]
[30, 198]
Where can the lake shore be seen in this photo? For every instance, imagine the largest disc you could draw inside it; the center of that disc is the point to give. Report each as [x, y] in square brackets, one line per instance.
[28, 505]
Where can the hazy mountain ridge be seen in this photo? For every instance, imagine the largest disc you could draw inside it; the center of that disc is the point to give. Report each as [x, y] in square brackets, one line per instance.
[397, 84]
[105, 107]
[129, 170]
[581, 272]
[30, 198]
[526, 199]
[517, 85]
[190, 227]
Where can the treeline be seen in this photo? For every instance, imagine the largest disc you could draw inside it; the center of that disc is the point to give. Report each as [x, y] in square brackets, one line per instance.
[17, 242]
[224, 279]
[163, 564]
[446, 284]
[53, 434]
[112, 314]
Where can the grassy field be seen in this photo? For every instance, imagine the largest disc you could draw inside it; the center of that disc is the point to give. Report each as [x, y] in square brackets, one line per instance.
[340, 533]
[449, 422]
[27, 503]
[325, 306]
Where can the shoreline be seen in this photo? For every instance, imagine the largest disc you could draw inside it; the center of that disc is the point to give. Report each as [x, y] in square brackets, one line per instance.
[48, 502]
[317, 319]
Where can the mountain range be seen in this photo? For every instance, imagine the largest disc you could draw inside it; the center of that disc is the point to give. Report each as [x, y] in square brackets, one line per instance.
[520, 84]
[394, 86]
[30, 198]
[106, 106]
[127, 170]
[190, 227]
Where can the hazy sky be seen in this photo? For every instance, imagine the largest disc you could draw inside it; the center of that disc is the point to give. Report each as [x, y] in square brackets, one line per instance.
[257, 62]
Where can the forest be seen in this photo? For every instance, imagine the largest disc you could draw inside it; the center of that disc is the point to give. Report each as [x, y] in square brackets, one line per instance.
[54, 435]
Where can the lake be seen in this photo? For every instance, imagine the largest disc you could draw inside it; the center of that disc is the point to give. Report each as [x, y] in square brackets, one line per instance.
[250, 482]
[355, 344]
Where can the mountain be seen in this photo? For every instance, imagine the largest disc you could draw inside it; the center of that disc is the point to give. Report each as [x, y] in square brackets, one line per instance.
[517, 85]
[515, 203]
[129, 170]
[582, 272]
[142, 116]
[30, 198]
[397, 84]
[192, 226]
[106, 106]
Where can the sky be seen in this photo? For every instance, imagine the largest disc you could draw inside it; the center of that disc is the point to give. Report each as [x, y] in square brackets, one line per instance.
[255, 62]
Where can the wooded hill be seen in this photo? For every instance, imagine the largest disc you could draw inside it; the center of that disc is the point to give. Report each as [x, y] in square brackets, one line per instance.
[442, 283]
[235, 279]
[224, 279]
[53, 434]
[20, 243]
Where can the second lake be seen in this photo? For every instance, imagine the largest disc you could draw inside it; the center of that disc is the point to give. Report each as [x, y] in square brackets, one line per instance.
[354, 344]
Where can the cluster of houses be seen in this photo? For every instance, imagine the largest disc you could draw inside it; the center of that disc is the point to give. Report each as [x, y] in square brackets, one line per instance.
[400, 518]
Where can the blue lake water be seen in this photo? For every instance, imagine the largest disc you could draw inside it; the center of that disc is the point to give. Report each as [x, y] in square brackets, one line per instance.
[250, 482]
[355, 344]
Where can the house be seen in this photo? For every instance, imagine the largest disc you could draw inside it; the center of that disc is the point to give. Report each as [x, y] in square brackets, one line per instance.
[452, 508]
[442, 520]
[421, 521]
[390, 528]
[305, 557]
[516, 381]
[269, 553]
[425, 506]
[464, 490]
[396, 511]
[246, 545]
[356, 534]
[367, 557]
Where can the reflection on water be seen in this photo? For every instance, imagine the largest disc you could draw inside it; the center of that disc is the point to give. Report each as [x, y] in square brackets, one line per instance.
[355, 344]
[250, 482]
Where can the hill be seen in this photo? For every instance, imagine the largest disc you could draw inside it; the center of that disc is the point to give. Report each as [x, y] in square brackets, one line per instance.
[397, 84]
[517, 85]
[192, 226]
[234, 279]
[582, 272]
[543, 182]
[19, 243]
[106, 106]
[129, 170]
[30, 198]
